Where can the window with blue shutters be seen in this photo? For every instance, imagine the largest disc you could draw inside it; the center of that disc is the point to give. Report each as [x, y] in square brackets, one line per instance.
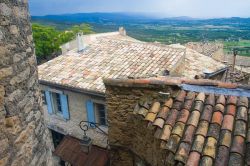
[57, 103]
[90, 111]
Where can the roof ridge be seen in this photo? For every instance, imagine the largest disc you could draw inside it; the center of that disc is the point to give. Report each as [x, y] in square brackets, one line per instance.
[174, 81]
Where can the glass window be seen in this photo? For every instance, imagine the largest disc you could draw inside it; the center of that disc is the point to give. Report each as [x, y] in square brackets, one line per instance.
[101, 114]
[56, 103]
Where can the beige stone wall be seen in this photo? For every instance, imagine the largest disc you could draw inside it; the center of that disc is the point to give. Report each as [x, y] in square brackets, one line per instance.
[129, 131]
[77, 109]
[24, 140]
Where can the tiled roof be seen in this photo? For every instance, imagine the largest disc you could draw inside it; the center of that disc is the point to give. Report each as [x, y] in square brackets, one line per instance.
[109, 58]
[197, 128]
[118, 56]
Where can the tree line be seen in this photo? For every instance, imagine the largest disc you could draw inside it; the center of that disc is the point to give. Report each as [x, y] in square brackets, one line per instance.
[48, 39]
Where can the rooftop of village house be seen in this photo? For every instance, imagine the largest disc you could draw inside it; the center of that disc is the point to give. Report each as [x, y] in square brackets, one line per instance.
[116, 55]
[199, 122]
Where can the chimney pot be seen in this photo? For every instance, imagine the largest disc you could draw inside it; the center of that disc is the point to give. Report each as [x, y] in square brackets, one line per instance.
[122, 31]
[80, 45]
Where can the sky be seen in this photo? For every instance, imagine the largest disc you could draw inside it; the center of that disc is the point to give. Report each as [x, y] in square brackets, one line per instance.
[161, 8]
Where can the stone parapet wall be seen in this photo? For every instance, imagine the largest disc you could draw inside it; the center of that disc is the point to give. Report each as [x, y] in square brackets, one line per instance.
[129, 131]
[24, 140]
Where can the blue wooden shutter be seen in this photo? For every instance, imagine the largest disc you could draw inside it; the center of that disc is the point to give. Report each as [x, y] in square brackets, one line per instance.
[64, 105]
[49, 102]
[90, 111]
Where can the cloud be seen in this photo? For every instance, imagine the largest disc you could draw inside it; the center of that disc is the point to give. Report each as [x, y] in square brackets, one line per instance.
[192, 8]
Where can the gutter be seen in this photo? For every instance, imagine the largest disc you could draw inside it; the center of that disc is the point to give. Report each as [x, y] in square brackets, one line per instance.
[73, 89]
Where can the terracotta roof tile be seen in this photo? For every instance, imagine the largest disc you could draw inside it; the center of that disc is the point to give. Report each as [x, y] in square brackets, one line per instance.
[225, 138]
[168, 103]
[206, 161]
[166, 132]
[220, 107]
[243, 101]
[232, 100]
[207, 113]
[173, 143]
[194, 118]
[193, 159]
[221, 100]
[210, 147]
[178, 129]
[188, 135]
[241, 113]
[207, 130]
[198, 143]
[150, 116]
[231, 110]
[183, 116]
[238, 145]
[217, 117]
[228, 122]
[183, 151]
[155, 107]
[202, 128]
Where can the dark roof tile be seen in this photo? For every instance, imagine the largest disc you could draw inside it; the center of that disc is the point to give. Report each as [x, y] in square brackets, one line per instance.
[202, 128]
[206, 161]
[173, 143]
[190, 95]
[247, 158]
[198, 143]
[188, 134]
[238, 145]
[193, 159]
[248, 134]
[228, 122]
[183, 116]
[225, 138]
[198, 105]
[172, 117]
[222, 156]
[241, 113]
[235, 159]
[210, 100]
[214, 131]
[158, 133]
[178, 129]
[243, 101]
[182, 152]
[177, 105]
[207, 113]
[143, 111]
[240, 128]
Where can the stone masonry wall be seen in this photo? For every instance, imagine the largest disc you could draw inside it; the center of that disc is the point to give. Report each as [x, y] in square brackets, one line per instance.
[128, 133]
[24, 140]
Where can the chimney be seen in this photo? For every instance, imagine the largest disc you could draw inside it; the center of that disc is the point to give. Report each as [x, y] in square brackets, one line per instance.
[80, 45]
[234, 58]
[122, 31]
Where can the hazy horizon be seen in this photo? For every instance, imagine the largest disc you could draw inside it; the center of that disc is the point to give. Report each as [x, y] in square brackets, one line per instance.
[157, 8]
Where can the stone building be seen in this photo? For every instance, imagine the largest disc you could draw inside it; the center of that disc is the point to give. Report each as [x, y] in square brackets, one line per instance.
[73, 86]
[178, 121]
[24, 139]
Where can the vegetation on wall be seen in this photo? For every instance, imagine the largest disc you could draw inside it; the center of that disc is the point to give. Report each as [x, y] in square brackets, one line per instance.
[48, 39]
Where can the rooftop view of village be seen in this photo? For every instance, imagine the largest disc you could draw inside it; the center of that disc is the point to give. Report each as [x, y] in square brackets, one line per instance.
[124, 83]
